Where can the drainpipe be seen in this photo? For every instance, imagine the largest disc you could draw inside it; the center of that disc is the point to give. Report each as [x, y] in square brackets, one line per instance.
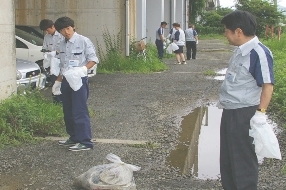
[127, 27]
[171, 14]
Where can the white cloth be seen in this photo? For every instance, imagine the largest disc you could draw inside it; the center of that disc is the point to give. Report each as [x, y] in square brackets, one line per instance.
[73, 76]
[51, 61]
[265, 141]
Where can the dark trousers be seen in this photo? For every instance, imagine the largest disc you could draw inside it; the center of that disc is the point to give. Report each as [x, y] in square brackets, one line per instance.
[191, 49]
[238, 160]
[76, 114]
[56, 98]
[160, 48]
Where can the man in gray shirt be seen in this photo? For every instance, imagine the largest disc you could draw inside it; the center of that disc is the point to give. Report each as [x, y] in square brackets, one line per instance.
[191, 42]
[244, 96]
[77, 55]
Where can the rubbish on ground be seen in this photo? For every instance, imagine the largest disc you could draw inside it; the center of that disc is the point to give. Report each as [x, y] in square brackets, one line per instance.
[114, 176]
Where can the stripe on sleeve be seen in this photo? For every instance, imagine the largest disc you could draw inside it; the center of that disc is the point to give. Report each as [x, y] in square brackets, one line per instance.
[261, 65]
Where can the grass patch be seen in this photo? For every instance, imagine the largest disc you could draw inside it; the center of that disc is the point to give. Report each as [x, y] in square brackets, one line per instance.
[112, 60]
[212, 37]
[23, 117]
[277, 107]
[210, 73]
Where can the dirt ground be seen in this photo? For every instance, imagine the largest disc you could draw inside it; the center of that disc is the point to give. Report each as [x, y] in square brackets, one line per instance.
[132, 108]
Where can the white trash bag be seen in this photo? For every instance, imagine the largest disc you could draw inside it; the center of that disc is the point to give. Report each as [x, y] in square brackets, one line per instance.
[115, 176]
[265, 141]
[174, 46]
[169, 49]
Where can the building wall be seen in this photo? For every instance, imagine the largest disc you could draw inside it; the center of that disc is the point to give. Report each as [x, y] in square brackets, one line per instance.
[155, 15]
[91, 16]
[7, 50]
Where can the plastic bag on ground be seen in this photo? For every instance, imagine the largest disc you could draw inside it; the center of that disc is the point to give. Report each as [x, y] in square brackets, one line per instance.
[265, 141]
[117, 175]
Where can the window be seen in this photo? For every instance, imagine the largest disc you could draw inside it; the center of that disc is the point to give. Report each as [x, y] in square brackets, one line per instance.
[20, 44]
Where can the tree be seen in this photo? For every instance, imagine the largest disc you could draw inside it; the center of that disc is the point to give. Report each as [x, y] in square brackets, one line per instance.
[213, 18]
[196, 8]
[266, 12]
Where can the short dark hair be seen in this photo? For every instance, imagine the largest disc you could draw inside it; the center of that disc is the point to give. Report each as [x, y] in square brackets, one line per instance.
[63, 22]
[163, 23]
[240, 19]
[176, 25]
[45, 24]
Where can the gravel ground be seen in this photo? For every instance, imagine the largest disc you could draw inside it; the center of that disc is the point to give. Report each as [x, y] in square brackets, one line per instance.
[145, 107]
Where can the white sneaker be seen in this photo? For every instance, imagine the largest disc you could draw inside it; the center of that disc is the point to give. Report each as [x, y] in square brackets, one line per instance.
[178, 63]
[184, 62]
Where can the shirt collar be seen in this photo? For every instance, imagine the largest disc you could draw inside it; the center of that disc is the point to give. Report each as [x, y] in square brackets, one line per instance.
[248, 46]
[56, 33]
[73, 38]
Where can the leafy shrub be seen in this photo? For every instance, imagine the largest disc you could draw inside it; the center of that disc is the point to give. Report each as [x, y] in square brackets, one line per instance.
[24, 116]
[113, 60]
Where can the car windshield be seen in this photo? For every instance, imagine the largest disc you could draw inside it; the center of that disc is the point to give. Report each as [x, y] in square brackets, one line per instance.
[28, 37]
[34, 30]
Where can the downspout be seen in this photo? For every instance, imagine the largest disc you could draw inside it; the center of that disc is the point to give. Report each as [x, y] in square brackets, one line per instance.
[171, 14]
[127, 27]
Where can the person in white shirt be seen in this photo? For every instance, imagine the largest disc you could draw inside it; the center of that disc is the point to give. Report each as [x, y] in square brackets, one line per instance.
[51, 43]
[77, 55]
[179, 39]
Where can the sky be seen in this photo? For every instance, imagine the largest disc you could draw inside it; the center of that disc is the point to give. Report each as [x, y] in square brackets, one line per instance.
[230, 3]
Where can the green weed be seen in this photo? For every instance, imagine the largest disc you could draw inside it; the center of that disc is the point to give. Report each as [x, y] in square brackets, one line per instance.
[25, 116]
[112, 58]
[210, 73]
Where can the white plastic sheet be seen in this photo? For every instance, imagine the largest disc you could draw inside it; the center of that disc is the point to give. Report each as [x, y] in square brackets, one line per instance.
[169, 49]
[73, 76]
[114, 176]
[265, 141]
[51, 61]
[174, 46]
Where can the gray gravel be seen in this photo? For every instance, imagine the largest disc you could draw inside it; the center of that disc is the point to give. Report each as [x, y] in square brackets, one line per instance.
[146, 107]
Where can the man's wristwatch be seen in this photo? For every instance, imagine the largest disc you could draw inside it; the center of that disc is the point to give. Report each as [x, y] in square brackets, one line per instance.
[261, 110]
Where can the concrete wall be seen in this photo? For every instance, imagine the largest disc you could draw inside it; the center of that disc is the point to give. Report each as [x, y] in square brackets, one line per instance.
[7, 50]
[90, 16]
[155, 15]
[141, 19]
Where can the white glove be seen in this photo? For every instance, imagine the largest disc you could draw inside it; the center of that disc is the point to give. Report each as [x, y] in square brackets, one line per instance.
[197, 42]
[84, 69]
[56, 89]
[258, 119]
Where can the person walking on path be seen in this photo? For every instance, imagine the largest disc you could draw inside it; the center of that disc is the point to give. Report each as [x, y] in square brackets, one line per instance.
[51, 43]
[180, 41]
[77, 55]
[191, 42]
[244, 96]
[160, 40]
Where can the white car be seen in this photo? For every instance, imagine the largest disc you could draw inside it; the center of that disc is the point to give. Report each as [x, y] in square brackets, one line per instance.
[28, 47]
[29, 75]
